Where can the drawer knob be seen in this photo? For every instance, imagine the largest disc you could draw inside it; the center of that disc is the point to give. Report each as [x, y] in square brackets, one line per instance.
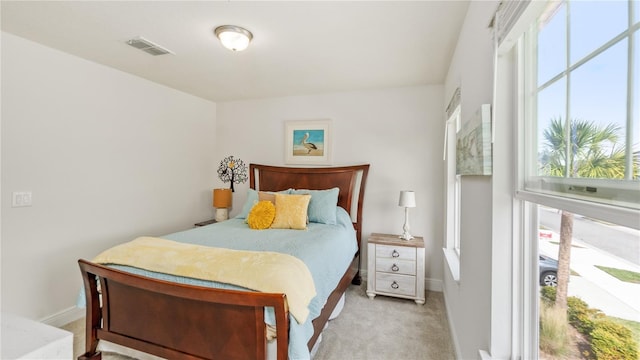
[394, 285]
[395, 254]
[395, 267]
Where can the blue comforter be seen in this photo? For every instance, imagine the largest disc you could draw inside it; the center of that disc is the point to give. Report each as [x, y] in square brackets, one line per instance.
[327, 250]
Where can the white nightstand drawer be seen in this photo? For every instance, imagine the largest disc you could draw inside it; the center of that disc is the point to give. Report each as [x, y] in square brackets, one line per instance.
[395, 252]
[396, 284]
[396, 266]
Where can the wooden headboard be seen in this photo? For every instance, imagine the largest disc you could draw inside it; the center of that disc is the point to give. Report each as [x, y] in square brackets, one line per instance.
[350, 180]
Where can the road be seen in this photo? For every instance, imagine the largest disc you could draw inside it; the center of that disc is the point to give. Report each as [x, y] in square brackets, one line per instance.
[619, 241]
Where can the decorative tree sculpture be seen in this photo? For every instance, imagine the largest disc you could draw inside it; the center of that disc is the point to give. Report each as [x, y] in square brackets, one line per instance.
[232, 171]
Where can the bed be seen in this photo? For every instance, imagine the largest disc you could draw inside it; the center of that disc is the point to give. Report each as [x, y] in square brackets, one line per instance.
[157, 315]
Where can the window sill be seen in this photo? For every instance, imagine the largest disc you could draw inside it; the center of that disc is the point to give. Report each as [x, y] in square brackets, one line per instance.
[453, 262]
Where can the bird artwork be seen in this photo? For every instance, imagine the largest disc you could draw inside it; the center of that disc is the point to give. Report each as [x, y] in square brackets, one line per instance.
[309, 146]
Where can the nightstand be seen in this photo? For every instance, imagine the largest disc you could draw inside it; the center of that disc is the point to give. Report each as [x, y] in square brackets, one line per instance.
[395, 267]
[204, 223]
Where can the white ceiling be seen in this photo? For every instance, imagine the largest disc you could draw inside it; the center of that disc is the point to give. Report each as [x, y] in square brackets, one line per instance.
[299, 47]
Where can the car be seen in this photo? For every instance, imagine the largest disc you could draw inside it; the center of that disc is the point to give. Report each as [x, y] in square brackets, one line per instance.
[548, 270]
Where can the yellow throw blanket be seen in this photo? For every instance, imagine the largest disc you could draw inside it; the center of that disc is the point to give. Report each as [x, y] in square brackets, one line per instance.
[268, 272]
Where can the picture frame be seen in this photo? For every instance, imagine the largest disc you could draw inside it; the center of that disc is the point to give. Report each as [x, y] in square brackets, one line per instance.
[473, 144]
[308, 142]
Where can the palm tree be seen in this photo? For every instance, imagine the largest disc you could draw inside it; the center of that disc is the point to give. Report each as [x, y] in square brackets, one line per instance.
[590, 152]
[594, 152]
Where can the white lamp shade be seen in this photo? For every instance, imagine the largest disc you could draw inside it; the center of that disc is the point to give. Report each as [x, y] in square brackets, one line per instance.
[233, 37]
[407, 199]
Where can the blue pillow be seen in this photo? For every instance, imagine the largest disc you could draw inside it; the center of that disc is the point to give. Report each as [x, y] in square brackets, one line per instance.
[252, 199]
[322, 207]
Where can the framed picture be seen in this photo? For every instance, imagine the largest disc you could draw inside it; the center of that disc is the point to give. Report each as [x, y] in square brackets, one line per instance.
[308, 142]
[473, 144]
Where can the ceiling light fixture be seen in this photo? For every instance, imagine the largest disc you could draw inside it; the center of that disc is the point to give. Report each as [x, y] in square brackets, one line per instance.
[233, 37]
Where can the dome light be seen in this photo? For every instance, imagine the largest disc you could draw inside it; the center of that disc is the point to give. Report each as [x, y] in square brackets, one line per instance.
[233, 37]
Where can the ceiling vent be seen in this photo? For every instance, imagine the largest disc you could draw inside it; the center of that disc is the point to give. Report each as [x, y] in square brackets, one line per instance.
[148, 47]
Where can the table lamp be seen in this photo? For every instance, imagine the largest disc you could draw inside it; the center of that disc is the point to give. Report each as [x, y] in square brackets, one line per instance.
[408, 200]
[222, 203]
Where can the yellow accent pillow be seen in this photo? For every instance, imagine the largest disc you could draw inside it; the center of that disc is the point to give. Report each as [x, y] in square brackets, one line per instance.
[261, 215]
[291, 212]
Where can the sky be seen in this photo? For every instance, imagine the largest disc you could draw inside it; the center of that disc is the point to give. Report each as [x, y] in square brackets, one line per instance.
[598, 90]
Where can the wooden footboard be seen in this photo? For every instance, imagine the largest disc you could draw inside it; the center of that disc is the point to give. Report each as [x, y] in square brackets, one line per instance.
[177, 321]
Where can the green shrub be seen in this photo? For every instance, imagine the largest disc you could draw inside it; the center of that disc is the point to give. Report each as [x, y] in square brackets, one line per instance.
[581, 316]
[548, 294]
[612, 341]
[608, 340]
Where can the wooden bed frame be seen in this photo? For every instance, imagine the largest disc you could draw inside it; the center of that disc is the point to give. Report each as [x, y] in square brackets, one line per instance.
[160, 317]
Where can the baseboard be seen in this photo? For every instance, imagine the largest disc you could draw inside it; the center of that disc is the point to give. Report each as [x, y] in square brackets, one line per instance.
[483, 355]
[433, 285]
[454, 338]
[64, 317]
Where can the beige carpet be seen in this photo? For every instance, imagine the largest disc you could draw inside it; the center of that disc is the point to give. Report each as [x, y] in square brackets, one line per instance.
[382, 328]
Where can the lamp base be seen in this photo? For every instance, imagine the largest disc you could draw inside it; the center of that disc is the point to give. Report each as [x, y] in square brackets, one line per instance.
[405, 228]
[405, 236]
[222, 214]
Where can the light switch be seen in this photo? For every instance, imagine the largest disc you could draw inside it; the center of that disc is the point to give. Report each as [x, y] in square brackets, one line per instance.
[21, 198]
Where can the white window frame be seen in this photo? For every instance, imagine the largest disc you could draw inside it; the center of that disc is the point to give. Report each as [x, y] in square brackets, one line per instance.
[525, 210]
[456, 215]
[512, 20]
[452, 193]
[617, 201]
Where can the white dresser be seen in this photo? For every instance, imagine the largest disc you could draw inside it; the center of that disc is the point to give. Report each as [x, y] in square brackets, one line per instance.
[27, 339]
[395, 267]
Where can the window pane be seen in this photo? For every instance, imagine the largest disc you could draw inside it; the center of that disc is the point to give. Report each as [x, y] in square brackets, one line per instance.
[575, 145]
[599, 108]
[602, 263]
[636, 8]
[552, 45]
[550, 129]
[636, 100]
[593, 23]
[456, 239]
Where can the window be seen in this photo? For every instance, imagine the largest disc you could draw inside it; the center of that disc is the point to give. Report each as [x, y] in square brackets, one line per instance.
[604, 260]
[582, 143]
[452, 181]
[579, 126]
[577, 68]
[456, 216]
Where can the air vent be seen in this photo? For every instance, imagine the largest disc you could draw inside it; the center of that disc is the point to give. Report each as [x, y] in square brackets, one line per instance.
[148, 47]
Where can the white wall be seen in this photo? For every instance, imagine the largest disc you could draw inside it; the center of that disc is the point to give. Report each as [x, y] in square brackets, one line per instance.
[398, 131]
[469, 301]
[108, 157]
[96, 146]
